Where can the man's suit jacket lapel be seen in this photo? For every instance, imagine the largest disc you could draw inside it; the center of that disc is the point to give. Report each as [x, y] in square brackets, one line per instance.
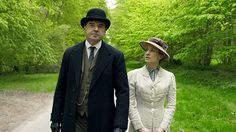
[77, 57]
[102, 61]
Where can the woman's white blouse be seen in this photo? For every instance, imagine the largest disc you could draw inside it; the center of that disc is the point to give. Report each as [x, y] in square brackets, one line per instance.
[152, 104]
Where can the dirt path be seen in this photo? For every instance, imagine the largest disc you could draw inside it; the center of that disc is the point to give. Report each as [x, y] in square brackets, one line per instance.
[39, 122]
[24, 112]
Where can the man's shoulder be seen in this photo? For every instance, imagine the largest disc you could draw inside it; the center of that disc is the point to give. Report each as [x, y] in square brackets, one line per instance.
[75, 46]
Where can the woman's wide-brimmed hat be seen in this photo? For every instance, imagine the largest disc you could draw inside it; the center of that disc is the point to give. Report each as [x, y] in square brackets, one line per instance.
[95, 14]
[158, 43]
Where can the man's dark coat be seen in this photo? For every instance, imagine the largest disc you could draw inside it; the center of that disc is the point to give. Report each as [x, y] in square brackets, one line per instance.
[109, 75]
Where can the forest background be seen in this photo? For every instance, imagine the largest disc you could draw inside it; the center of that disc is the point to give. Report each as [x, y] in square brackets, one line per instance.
[35, 33]
[200, 35]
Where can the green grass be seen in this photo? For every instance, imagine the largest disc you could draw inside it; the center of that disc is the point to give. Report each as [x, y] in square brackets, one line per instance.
[202, 108]
[29, 82]
[206, 99]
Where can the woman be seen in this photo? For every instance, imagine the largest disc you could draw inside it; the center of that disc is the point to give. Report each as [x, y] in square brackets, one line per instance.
[152, 91]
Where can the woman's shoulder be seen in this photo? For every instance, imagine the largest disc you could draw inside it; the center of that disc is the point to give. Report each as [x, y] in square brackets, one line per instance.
[166, 71]
[135, 71]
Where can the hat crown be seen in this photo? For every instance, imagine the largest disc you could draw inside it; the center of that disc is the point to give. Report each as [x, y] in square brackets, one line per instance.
[96, 13]
[159, 42]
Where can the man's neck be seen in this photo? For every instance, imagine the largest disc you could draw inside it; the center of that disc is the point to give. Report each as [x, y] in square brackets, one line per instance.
[93, 42]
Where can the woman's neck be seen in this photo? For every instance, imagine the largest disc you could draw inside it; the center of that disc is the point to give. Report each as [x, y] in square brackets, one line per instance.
[153, 66]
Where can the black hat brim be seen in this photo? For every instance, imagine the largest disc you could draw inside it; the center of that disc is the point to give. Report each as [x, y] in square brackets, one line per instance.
[86, 19]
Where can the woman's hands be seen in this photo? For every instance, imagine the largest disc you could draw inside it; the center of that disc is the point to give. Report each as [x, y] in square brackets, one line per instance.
[144, 130]
[148, 130]
[159, 130]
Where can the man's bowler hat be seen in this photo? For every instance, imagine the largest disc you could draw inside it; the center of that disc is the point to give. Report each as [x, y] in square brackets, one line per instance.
[95, 14]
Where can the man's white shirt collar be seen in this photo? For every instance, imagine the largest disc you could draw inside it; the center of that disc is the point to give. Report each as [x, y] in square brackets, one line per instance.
[88, 45]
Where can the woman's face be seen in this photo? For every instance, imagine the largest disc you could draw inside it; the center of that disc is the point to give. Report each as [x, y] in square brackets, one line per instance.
[152, 55]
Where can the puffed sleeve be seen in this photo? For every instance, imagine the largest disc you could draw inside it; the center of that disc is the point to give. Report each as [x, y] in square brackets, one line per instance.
[133, 111]
[170, 104]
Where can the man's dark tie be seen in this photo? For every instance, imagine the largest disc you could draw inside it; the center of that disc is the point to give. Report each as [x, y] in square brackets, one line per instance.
[91, 56]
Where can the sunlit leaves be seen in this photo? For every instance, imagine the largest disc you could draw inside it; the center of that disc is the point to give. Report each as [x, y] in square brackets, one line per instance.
[36, 32]
[192, 29]
[22, 40]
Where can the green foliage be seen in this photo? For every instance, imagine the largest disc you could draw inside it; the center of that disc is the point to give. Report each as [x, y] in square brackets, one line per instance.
[35, 33]
[202, 29]
[22, 41]
[196, 32]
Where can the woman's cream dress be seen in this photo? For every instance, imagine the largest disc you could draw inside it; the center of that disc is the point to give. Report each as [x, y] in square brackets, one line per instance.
[152, 103]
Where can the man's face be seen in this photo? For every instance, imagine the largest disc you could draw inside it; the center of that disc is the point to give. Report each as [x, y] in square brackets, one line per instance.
[94, 31]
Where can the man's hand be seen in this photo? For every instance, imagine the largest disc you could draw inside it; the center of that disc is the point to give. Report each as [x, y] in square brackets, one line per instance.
[119, 130]
[55, 127]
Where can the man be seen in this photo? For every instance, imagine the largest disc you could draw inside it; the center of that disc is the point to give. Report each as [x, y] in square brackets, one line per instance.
[90, 73]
